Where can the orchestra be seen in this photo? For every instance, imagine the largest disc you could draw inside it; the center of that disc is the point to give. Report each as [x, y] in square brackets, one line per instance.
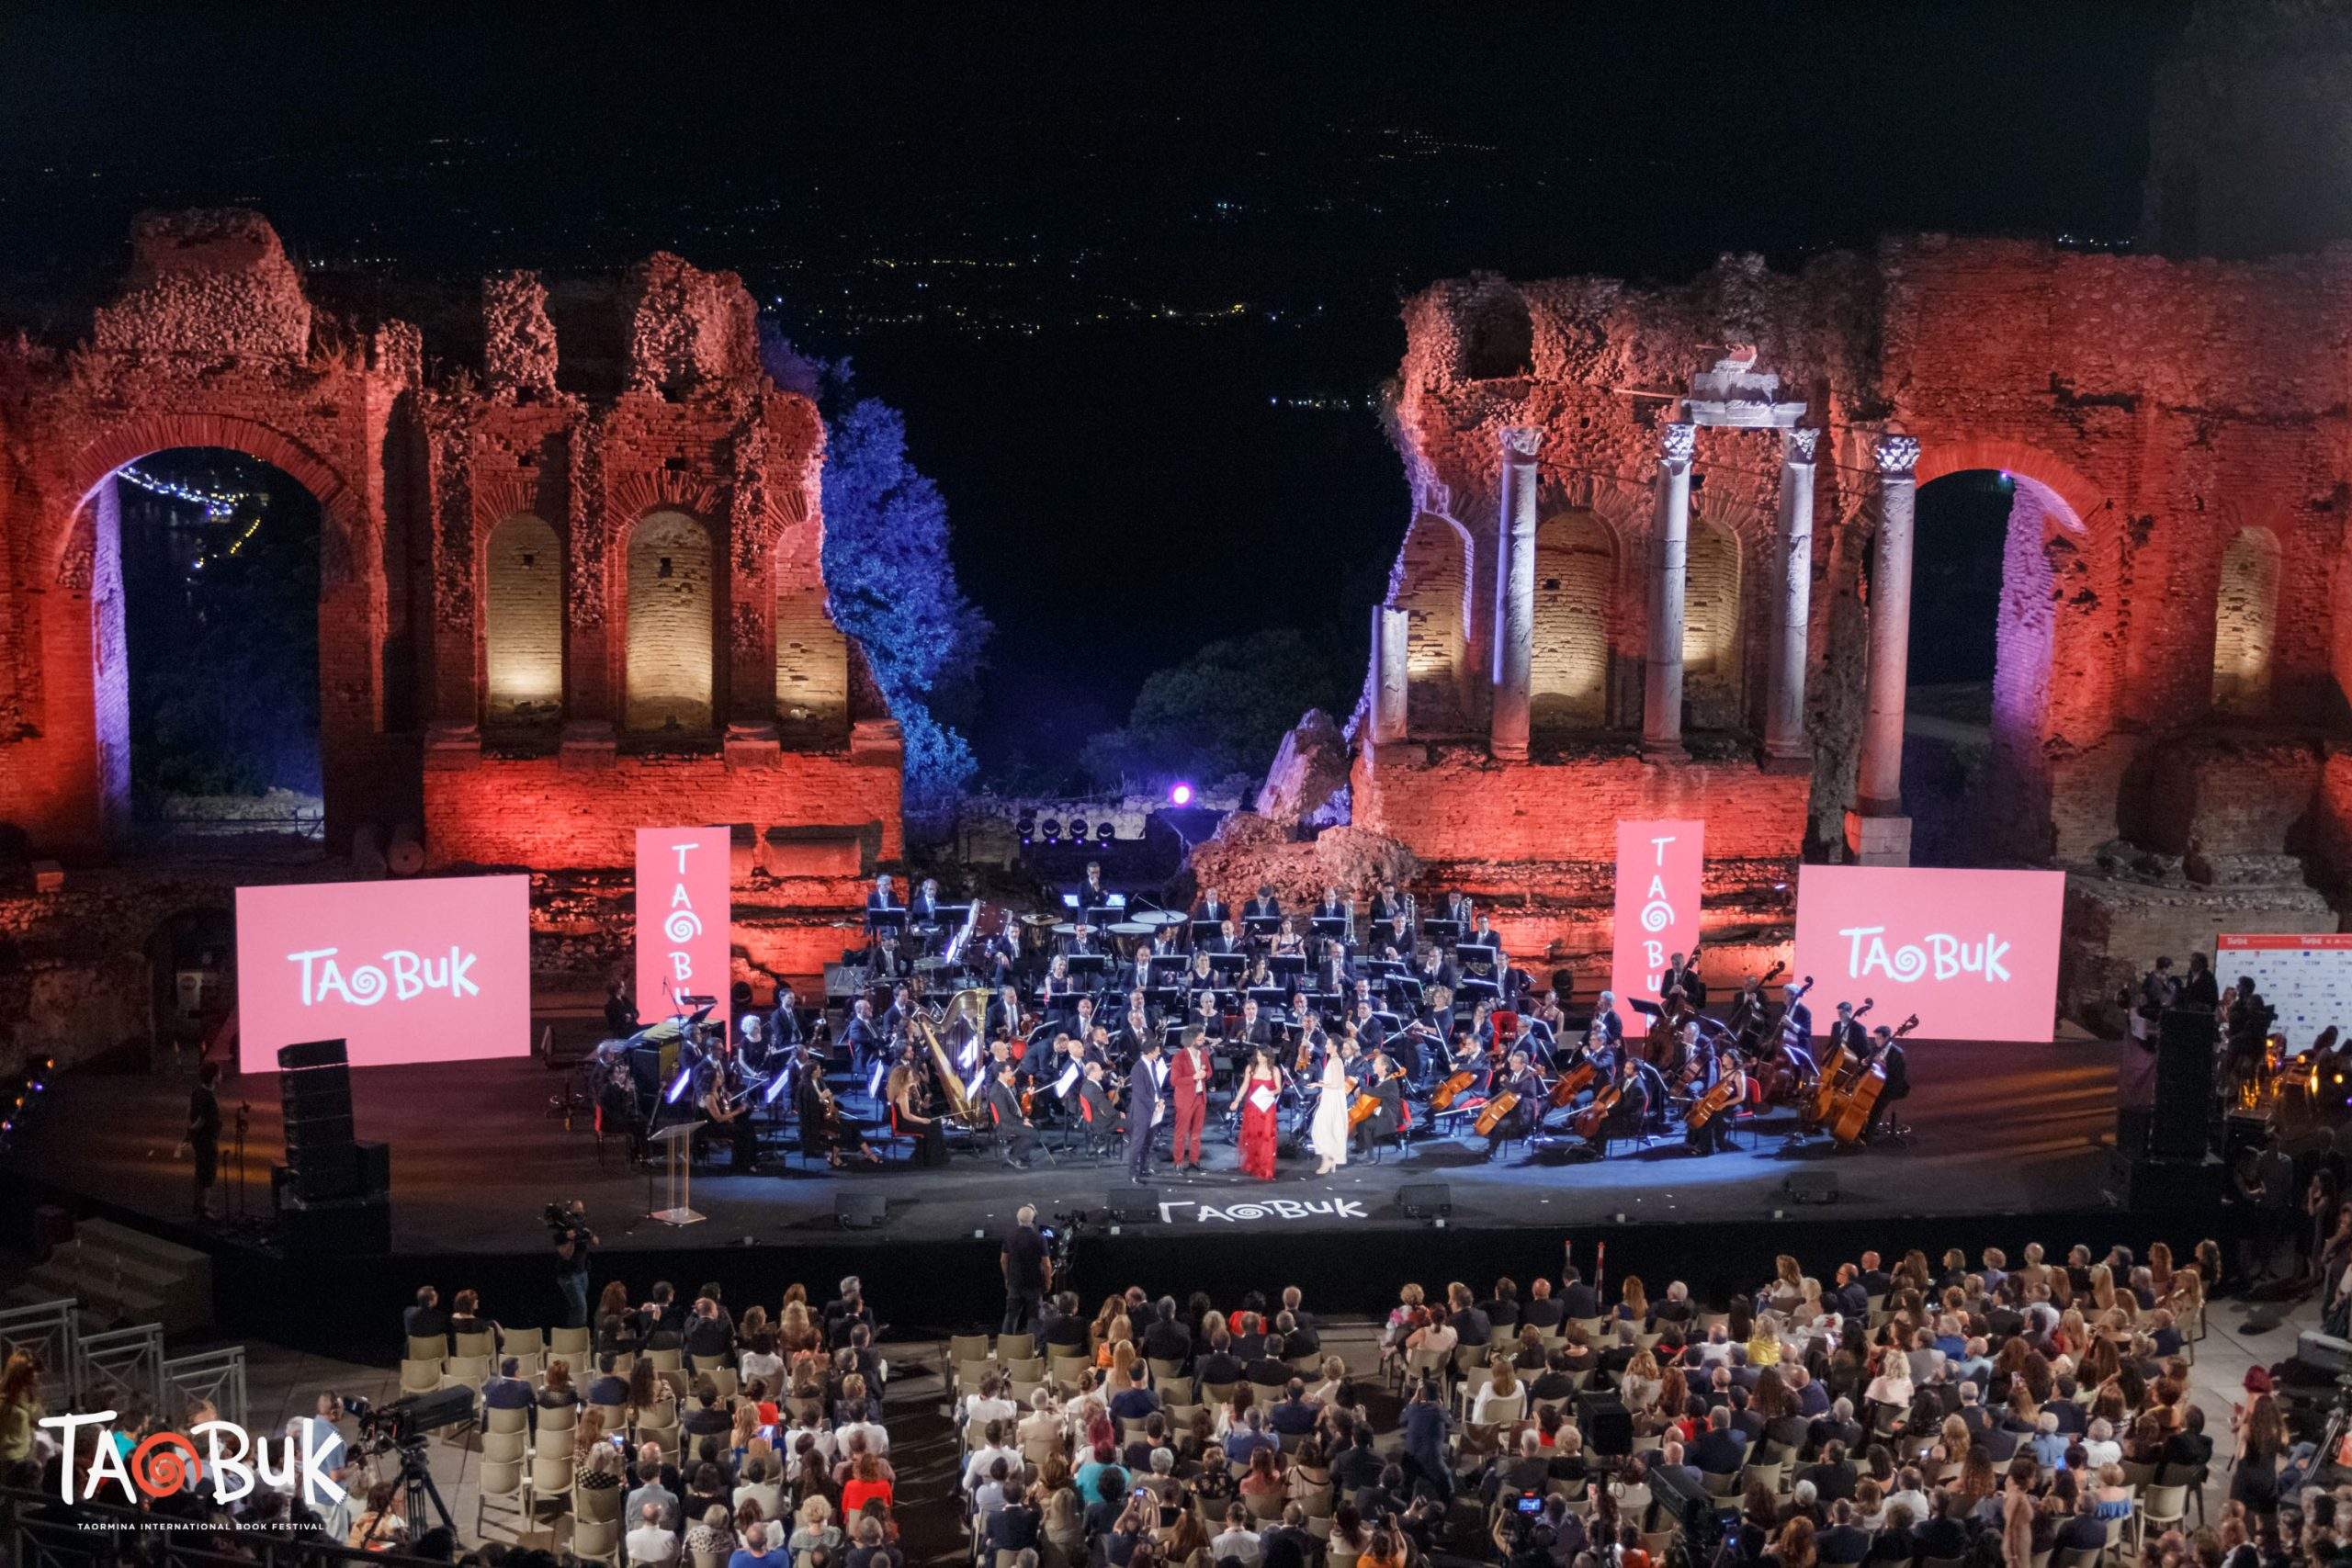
[970, 1027]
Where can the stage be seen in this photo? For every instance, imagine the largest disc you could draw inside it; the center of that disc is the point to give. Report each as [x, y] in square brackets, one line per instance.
[476, 1156]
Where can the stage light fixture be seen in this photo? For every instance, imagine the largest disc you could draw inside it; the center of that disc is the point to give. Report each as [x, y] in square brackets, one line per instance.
[1053, 830]
[1105, 831]
[1181, 795]
[1078, 829]
[678, 1085]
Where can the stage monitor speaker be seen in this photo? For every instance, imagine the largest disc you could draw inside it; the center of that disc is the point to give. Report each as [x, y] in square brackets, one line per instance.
[314, 1086]
[374, 1169]
[343, 1227]
[1810, 1187]
[861, 1211]
[1425, 1200]
[1607, 1424]
[312, 1053]
[1133, 1205]
[2185, 1042]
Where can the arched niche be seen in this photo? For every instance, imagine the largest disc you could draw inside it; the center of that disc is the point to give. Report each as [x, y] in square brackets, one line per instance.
[1711, 627]
[672, 612]
[1432, 588]
[523, 623]
[1576, 589]
[2245, 622]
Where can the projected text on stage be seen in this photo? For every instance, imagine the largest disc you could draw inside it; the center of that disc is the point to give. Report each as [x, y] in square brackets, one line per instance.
[1658, 866]
[434, 970]
[1974, 953]
[683, 920]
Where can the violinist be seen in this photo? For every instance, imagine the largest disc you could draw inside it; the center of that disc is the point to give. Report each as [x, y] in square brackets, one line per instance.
[1014, 1129]
[895, 1016]
[1005, 1015]
[1128, 1042]
[1369, 1031]
[1521, 1079]
[903, 1091]
[1081, 1022]
[1098, 1044]
[1095, 1112]
[731, 1118]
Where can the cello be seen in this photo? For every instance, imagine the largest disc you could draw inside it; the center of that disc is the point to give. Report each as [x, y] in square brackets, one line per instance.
[1853, 1109]
[1366, 1103]
[1456, 1084]
[1572, 1083]
[1719, 1099]
[1588, 1122]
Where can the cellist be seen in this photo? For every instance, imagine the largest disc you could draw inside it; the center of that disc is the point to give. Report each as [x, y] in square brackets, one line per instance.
[1723, 1071]
[1521, 1080]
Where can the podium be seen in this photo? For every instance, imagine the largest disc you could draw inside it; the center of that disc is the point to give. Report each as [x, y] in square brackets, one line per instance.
[678, 1183]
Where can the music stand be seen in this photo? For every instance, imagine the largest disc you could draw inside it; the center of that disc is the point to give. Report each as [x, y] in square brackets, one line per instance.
[893, 918]
[1262, 925]
[678, 1183]
[1204, 930]
[1224, 964]
[1096, 964]
[1442, 930]
[1268, 996]
[1101, 915]
[1473, 986]
[1334, 926]
[1287, 966]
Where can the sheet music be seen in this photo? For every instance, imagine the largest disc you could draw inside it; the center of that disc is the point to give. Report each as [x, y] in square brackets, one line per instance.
[1263, 1099]
[1068, 1080]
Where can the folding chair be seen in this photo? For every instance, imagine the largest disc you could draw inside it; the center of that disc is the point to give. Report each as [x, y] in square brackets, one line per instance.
[501, 1482]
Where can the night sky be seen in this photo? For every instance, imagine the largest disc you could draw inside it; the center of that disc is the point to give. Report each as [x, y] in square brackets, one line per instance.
[1132, 273]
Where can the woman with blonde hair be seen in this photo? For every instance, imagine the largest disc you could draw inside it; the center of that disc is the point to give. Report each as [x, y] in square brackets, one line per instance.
[1503, 1389]
[814, 1529]
[1062, 1533]
[1640, 1383]
[588, 1435]
[1633, 1302]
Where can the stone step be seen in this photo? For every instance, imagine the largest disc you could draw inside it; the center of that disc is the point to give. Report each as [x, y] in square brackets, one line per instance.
[124, 1276]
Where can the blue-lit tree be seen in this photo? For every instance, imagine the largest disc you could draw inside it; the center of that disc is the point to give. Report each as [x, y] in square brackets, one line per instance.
[889, 581]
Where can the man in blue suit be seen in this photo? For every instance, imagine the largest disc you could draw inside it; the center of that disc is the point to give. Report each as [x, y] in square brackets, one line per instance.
[1143, 1110]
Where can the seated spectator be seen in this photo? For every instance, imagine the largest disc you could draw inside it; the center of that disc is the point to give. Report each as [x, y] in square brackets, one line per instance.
[712, 1536]
[815, 1531]
[558, 1391]
[759, 1545]
[1236, 1542]
[651, 1541]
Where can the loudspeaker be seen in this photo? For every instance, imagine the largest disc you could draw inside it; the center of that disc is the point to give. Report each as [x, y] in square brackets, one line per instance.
[314, 1088]
[2185, 1040]
[1133, 1205]
[1607, 1424]
[373, 1169]
[2172, 1186]
[1425, 1200]
[1810, 1187]
[861, 1211]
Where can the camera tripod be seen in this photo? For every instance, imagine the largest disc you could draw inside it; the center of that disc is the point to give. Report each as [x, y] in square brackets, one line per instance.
[417, 1488]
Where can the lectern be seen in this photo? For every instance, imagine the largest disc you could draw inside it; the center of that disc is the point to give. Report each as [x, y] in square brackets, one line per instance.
[678, 1183]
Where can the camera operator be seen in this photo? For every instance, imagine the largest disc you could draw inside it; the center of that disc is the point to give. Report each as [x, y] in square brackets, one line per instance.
[567, 1226]
[1028, 1273]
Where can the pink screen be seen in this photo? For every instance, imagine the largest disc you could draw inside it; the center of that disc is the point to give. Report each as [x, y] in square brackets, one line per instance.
[1974, 953]
[434, 970]
[1657, 906]
[683, 930]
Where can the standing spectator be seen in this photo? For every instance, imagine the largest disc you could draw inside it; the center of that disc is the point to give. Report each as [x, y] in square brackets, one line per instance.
[573, 1241]
[203, 1141]
[1028, 1272]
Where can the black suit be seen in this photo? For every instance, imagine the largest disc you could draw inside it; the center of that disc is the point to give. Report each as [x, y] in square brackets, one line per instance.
[1717, 1452]
[1168, 1341]
[1004, 1109]
[1843, 1544]
[1143, 1103]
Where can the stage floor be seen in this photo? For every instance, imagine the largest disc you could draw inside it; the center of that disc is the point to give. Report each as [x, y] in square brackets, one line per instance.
[476, 1156]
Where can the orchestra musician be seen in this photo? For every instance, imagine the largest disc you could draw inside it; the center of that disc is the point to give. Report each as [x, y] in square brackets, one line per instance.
[823, 1129]
[1128, 1042]
[1723, 1067]
[903, 1093]
[1014, 1129]
[1848, 1032]
[1329, 975]
[1059, 991]
[894, 1017]
[1681, 975]
[1610, 1028]
[866, 1042]
[1092, 894]
[1288, 942]
[1212, 909]
[784, 1021]
[1521, 1079]
[881, 900]
[1332, 906]
[884, 959]
[1385, 1083]
[1254, 1027]
[1002, 1019]
[1796, 1018]
[1369, 1031]
[1095, 1110]
[1081, 1022]
[1887, 1055]
[1456, 909]
[1228, 938]
[1625, 1119]
[1265, 906]
[922, 915]
[1388, 904]
[1749, 1014]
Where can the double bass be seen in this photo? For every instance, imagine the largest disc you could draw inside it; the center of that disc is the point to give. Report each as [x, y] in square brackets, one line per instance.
[1785, 1081]
[1852, 1111]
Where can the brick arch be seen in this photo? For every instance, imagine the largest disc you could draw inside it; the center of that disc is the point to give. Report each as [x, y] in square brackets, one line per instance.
[140, 435]
[1580, 557]
[523, 630]
[669, 673]
[2084, 500]
[1431, 583]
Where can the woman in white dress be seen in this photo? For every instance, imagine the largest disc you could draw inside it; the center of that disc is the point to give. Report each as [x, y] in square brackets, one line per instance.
[1329, 1132]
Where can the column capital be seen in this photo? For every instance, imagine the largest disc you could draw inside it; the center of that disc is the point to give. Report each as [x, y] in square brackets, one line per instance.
[1677, 440]
[1897, 456]
[1798, 443]
[1520, 441]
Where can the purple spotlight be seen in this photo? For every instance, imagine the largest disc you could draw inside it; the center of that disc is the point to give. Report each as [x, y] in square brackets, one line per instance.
[1181, 795]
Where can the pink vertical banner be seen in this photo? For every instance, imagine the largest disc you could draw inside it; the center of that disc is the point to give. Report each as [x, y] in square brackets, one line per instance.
[1658, 907]
[683, 919]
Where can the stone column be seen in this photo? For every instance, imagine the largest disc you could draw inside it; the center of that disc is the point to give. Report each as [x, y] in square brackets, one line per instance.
[1390, 630]
[1877, 830]
[1784, 738]
[1514, 594]
[1669, 548]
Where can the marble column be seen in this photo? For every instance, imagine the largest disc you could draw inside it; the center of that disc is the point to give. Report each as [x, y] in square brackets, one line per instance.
[1878, 832]
[1669, 550]
[1784, 737]
[1391, 628]
[1514, 594]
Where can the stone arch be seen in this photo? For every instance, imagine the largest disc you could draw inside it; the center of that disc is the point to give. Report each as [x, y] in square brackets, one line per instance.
[670, 571]
[136, 437]
[2245, 622]
[522, 621]
[1432, 587]
[1576, 559]
[1712, 647]
[1498, 335]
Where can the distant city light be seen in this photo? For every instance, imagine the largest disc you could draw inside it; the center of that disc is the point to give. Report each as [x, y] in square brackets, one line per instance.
[1180, 795]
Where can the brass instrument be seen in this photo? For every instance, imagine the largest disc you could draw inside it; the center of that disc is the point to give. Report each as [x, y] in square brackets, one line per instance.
[968, 1007]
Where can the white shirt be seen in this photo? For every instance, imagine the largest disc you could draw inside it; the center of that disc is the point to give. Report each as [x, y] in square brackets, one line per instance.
[976, 1469]
[651, 1544]
[877, 1442]
[767, 1369]
[978, 1411]
[1236, 1543]
[2097, 1451]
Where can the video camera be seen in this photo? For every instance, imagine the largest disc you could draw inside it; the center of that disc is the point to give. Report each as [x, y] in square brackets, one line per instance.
[1060, 1237]
[407, 1419]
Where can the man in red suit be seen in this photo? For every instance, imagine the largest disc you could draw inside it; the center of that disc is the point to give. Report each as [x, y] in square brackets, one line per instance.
[1188, 1088]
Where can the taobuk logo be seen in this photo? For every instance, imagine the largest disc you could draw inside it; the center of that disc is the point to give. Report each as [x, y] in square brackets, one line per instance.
[404, 977]
[1938, 955]
[166, 1462]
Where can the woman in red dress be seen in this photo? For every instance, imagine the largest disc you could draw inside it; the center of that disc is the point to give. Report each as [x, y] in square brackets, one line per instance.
[1261, 1087]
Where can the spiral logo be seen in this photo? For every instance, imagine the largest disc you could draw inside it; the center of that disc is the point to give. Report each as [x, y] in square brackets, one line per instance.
[1656, 915]
[1246, 1211]
[1909, 962]
[683, 925]
[366, 984]
[164, 1464]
